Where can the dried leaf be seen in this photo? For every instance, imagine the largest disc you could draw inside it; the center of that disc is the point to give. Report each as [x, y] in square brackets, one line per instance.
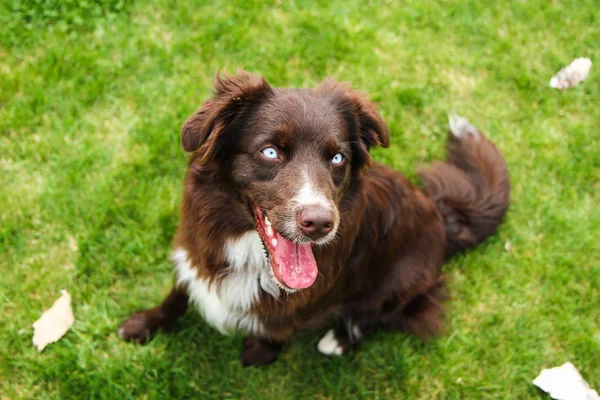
[572, 74]
[54, 322]
[565, 383]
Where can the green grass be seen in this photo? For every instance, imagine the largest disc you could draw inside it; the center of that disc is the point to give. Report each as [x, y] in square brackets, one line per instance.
[91, 101]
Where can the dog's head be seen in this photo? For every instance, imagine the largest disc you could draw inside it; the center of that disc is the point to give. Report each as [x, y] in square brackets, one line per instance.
[290, 155]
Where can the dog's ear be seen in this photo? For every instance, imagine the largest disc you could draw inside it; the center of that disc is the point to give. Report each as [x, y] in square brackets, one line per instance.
[233, 97]
[362, 118]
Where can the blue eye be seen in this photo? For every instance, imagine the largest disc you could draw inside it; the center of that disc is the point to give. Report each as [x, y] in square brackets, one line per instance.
[271, 153]
[338, 158]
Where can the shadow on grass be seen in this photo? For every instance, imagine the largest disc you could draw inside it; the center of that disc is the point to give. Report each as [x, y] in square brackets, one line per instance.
[211, 363]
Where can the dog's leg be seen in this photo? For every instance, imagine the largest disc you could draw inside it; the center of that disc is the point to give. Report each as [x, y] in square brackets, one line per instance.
[258, 351]
[344, 336]
[421, 315]
[140, 326]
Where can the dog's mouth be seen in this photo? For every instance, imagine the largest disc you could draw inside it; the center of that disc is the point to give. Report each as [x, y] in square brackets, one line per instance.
[293, 264]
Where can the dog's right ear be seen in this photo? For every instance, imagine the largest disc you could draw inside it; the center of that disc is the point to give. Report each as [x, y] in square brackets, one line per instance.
[232, 97]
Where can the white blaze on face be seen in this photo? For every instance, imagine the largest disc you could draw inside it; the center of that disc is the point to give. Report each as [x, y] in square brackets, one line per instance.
[309, 194]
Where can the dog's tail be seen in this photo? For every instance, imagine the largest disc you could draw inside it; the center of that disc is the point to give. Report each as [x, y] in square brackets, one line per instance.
[471, 189]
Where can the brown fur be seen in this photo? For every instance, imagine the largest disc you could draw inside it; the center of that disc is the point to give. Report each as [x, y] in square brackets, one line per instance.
[383, 270]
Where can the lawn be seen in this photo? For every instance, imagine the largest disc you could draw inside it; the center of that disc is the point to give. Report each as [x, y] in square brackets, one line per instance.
[91, 101]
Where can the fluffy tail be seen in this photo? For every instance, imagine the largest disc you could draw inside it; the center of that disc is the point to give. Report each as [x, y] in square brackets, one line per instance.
[471, 189]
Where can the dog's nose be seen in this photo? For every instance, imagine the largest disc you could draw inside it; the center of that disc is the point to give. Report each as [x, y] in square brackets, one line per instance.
[315, 222]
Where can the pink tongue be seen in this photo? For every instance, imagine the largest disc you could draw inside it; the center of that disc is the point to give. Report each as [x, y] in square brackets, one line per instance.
[295, 263]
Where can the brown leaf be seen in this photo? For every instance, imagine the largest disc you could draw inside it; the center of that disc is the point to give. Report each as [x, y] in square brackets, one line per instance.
[54, 322]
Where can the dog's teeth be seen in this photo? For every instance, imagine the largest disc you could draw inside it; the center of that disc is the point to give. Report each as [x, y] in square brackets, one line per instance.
[269, 230]
[267, 222]
[264, 247]
[274, 242]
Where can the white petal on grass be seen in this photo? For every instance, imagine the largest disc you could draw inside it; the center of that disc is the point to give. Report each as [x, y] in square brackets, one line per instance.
[565, 383]
[572, 74]
[54, 322]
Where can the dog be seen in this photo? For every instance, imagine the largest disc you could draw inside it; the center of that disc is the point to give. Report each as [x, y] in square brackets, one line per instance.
[287, 224]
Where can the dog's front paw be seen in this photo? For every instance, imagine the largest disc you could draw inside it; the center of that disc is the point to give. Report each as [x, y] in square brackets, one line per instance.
[259, 351]
[137, 328]
[334, 345]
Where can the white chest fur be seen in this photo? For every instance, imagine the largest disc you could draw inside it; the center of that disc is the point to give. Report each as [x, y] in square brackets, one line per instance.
[226, 304]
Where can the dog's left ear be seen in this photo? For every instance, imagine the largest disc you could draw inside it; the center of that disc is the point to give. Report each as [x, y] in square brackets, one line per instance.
[234, 96]
[362, 118]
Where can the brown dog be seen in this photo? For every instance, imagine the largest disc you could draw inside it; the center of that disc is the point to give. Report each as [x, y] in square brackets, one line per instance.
[286, 224]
